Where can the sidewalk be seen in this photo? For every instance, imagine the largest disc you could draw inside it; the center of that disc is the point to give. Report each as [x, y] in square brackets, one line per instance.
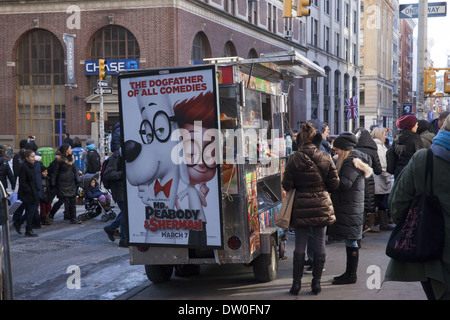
[236, 282]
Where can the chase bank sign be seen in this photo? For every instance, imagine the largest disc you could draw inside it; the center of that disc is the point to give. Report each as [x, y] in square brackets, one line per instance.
[112, 66]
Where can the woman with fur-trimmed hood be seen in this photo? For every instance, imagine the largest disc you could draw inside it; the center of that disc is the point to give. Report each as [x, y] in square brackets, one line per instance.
[348, 200]
[65, 179]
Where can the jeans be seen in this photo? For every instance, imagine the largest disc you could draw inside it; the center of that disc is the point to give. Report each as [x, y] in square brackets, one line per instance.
[121, 222]
[351, 243]
[318, 243]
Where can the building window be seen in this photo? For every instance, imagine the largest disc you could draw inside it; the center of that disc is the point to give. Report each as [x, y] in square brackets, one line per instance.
[229, 50]
[347, 15]
[113, 43]
[338, 48]
[314, 32]
[253, 12]
[200, 48]
[326, 6]
[338, 10]
[40, 88]
[327, 39]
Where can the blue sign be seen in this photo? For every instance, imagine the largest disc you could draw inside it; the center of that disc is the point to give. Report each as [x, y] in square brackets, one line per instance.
[112, 66]
[435, 9]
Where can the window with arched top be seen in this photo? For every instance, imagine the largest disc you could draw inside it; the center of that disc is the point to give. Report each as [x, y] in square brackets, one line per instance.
[200, 48]
[252, 54]
[229, 50]
[40, 86]
[113, 42]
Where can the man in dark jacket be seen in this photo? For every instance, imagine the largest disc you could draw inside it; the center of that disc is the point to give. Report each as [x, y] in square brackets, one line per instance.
[436, 124]
[406, 143]
[114, 175]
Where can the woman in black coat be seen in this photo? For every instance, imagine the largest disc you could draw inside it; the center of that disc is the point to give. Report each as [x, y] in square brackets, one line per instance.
[65, 179]
[348, 201]
[28, 192]
[312, 173]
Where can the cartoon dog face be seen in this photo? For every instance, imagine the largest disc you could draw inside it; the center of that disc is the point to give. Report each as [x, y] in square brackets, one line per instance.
[150, 159]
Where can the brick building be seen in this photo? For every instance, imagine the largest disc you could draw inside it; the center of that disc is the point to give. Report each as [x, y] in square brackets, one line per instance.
[48, 49]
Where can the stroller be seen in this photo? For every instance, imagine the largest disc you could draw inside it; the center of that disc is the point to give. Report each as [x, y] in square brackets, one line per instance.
[93, 206]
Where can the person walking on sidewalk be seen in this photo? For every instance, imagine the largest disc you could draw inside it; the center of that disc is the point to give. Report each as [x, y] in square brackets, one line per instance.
[65, 179]
[28, 193]
[312, 173]
[114, 174]
[382, 181]
[348, 201]
[434, 275]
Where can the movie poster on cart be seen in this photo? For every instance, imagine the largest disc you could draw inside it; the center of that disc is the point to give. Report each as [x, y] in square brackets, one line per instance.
[170, 123]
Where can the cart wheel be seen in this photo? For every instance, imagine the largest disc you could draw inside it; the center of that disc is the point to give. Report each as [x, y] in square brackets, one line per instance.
[111, 215]
[187, 270]
[104, 218]
[158, 273]
[265, 266]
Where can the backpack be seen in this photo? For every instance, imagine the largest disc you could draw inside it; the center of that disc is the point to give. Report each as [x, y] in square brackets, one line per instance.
[94, 163]
[390, 160]
[105, 182]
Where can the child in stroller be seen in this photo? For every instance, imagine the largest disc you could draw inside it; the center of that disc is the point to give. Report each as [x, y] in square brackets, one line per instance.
[96, 201]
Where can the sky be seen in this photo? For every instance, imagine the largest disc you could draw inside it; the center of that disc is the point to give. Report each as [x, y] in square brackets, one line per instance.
[438, 37]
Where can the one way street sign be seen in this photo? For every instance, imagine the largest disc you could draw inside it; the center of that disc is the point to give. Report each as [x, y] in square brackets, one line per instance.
[435, 9]
[107, 90]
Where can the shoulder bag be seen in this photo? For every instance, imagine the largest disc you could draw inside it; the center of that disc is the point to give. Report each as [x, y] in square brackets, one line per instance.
[419, 236]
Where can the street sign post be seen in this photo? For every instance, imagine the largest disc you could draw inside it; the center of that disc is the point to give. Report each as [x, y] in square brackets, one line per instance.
[102, 83]
[435, 9]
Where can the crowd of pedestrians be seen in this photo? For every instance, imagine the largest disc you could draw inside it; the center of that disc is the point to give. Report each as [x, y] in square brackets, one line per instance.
[41, 191]
[344, 189]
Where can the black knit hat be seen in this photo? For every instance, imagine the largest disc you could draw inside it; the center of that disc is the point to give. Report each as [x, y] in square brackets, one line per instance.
[346, 141]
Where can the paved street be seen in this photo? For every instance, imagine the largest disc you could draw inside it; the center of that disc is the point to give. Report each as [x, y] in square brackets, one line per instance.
[236, 282]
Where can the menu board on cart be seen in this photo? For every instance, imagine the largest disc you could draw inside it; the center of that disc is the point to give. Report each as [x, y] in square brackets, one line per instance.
[169, 120]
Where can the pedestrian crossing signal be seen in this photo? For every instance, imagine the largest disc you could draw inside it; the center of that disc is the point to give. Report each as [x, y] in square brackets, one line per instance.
[90, 116]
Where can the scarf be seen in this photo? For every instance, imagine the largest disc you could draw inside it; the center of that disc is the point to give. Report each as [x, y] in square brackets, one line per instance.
[443, 139]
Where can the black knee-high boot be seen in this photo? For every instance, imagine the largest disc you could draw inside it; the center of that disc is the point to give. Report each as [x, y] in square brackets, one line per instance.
[297, 274]
[349, 275]
[318, 263]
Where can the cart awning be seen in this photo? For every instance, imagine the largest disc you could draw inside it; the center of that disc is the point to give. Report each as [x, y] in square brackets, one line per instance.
[292, 64]
[275, 66]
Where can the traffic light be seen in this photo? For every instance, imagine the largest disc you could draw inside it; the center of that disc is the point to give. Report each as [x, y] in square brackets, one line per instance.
[90, 116]
[447, 82]
[287, 10]
[429, 81]
[101, 68]
[302, 8]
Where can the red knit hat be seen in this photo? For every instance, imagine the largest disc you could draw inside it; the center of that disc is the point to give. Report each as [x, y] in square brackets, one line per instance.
[406, 122]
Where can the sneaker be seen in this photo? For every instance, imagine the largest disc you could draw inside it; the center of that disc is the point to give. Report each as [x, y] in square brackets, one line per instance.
[110, 234]
[75, 221]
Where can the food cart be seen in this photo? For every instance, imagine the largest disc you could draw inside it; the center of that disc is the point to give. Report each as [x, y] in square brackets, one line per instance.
[204, 153]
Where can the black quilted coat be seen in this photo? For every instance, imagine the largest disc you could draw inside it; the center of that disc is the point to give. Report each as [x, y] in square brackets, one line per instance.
[312, 203]
[64, 176]
[348, 198]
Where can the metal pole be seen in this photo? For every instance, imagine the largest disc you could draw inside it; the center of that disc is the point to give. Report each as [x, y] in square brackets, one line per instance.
[421, 109]
[102, 126]
[4, 220]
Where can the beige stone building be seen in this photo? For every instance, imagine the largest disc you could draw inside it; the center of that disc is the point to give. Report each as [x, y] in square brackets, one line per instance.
[376, 57]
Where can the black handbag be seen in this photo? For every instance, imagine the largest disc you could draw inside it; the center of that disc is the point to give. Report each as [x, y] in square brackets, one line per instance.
[419, 236]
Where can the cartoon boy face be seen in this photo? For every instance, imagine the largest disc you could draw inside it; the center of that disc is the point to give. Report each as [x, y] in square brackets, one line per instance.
[199, 152]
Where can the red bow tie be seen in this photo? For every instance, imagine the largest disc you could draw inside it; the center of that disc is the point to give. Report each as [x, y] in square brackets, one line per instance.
[165, 188]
